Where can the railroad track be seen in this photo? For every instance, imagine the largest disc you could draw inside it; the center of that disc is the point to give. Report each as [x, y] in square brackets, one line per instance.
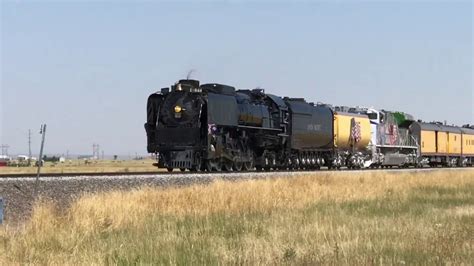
[144, 174]
[16, 175]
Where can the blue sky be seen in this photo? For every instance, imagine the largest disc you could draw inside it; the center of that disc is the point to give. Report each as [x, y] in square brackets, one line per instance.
[86, 68]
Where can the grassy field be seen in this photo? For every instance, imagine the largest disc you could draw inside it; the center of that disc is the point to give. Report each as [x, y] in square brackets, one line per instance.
[329, 218]
[83, 166]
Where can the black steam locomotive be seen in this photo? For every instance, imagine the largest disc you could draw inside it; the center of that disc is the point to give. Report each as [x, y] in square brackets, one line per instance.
[215, 127]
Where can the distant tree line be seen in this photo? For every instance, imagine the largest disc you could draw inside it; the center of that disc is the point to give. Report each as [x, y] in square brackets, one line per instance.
[51, 158]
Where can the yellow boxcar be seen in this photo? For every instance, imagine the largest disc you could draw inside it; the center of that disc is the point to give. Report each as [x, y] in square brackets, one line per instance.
[436, 139]
[428, 142]
[343, 125]
[442, 147]
[454, 144]
[468, 142]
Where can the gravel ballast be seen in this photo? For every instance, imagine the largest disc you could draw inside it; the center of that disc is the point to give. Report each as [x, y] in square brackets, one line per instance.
[18, 193]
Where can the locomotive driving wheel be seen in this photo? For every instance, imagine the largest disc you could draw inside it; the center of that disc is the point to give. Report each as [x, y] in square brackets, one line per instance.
[247, 166]
[238, 165]
[227, 166]
[213, 165]
[218, 165]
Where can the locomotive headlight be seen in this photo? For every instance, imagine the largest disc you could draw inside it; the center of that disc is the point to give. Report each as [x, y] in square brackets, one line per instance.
[177, 109]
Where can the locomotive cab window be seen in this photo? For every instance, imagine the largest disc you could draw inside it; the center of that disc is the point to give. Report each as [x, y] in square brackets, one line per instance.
[372, 116]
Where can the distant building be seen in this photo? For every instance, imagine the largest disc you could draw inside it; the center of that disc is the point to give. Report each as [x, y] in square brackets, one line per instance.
[22, 158]
[4, 159]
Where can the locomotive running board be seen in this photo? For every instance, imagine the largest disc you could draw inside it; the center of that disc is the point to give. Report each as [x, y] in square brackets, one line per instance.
[260, 128]
[396, 146]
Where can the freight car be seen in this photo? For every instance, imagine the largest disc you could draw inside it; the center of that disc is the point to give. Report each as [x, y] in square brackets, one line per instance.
[215, 127]
[467, 148]
[444, 145]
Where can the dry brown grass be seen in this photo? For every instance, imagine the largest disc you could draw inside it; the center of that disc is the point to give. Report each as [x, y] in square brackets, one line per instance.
[79, 166]
[258, 195]
[356, 218]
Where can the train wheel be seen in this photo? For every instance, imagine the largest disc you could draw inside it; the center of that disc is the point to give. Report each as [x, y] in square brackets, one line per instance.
[213, 166]
[238, 166]
[227, 166]
[248, 166]
[218, 166]
[169, 169]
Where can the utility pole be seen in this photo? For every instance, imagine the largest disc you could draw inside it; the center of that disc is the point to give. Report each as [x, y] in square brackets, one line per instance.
[40, 159]
[95, 151]
[4, 149]
[29, 147]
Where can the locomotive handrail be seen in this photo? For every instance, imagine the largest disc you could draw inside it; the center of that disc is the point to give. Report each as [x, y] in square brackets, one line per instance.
[260, 128]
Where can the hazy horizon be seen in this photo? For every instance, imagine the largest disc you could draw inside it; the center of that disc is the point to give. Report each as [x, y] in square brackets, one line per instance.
[86, 69]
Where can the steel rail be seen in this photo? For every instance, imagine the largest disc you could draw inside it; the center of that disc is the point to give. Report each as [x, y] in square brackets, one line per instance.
[148, 173]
